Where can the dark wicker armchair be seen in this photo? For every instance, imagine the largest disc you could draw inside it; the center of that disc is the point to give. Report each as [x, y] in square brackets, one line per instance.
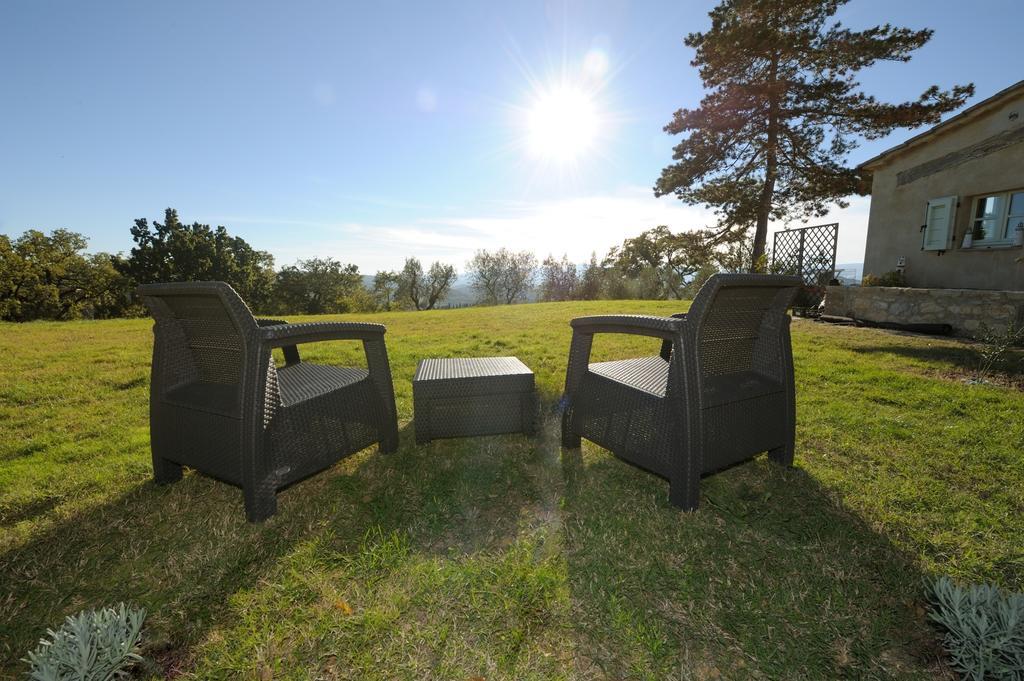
[720, 392]
[220, 405]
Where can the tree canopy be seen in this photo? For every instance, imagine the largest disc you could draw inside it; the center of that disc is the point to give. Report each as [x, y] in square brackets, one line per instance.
[782, 111]
[47, 276]
[173, 251]
[424, 290]
[559, 279]
[385, 289]
[502, 276]
[673, 259]
[317, 286]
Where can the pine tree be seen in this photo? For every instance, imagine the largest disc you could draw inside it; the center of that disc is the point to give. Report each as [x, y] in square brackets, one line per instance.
[782, 111]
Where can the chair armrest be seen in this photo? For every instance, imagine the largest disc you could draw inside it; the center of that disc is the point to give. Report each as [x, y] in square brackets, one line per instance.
[643, 325]
[269, 322]
[291, 353]
[314, 332]
[666, 345]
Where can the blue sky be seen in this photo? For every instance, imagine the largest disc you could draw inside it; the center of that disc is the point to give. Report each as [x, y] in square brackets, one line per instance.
[369, 131]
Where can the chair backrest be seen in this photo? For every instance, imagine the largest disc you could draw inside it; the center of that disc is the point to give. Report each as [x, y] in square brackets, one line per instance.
[731, 316]
[201, 328]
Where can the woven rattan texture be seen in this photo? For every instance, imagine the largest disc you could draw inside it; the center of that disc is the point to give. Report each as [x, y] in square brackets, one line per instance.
[470, 367]
[219, 404]
[649, 374]
[473, 396]
[721, 391]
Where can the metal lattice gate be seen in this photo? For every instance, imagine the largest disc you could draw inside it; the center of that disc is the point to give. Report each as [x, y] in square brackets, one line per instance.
[810, 253]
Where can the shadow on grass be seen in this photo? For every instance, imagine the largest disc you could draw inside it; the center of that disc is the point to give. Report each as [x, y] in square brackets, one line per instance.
[502, 557]
[179, 551]
[771, 578]
[185, 552]
[964, 361]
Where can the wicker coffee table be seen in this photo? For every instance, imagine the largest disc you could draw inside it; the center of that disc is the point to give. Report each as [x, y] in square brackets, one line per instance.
[473, 396]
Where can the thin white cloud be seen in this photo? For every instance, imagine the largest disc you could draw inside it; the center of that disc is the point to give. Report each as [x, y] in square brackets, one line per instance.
[575, 226]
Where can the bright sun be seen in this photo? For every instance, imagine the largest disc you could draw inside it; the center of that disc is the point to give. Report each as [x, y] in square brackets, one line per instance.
[562, 124]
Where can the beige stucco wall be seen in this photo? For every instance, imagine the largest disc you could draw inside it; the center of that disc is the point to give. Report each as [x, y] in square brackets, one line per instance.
[897, 212]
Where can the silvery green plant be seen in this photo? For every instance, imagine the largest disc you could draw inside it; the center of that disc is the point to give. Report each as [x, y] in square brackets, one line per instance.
[984, 629]
[94, 645]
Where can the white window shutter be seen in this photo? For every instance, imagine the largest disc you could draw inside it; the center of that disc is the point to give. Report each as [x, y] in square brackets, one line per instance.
[938, 229]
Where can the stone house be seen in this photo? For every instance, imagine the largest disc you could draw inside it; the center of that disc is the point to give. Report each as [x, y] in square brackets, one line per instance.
[947, 213]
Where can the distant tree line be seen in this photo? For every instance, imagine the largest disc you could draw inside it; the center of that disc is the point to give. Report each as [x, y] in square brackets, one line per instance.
[656, 264]
[50, 276]
[47, 276]
[412, 288]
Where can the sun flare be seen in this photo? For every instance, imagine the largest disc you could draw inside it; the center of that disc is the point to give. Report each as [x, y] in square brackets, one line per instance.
[562, 124]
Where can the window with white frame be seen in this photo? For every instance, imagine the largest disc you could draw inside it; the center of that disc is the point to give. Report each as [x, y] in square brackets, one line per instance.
[995, 217]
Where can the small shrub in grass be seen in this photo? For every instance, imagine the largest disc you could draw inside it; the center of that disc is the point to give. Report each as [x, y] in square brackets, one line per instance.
[984, 629]
[996, 348]
[94, 645]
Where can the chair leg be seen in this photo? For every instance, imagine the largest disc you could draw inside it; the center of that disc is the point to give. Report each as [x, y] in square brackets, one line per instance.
[684, 481]
[389, 435]
[569, 439]
[783, 455]
[260, 503]
[685, 494]
[165, 472]
[389, 443]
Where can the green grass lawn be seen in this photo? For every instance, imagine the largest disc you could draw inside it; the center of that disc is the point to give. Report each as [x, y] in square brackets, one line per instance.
[505, 557]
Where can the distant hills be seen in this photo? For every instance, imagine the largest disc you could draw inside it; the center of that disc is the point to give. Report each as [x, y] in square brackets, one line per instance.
[850, 273]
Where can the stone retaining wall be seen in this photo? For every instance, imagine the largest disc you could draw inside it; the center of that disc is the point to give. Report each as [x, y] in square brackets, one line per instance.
[966, 310]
